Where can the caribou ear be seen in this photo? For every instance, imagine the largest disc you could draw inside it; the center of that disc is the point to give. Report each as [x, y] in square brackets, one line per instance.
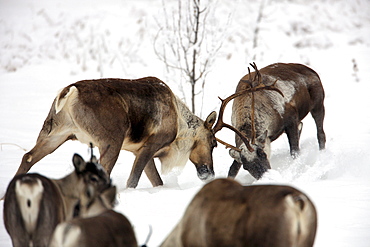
[109, 196]
[210, 120]
[79, 163]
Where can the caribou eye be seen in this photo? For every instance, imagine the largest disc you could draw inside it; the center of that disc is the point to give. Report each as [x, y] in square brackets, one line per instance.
[213, 142]
[94, 179]
[76, 210]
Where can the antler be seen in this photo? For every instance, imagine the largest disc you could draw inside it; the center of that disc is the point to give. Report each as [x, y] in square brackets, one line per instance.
[220, 124]
[259, 87]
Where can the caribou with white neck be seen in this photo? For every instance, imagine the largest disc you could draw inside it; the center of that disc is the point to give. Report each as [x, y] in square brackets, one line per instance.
[142, 116]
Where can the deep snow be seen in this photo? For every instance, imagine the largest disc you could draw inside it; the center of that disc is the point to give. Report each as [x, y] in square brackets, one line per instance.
[46, 45]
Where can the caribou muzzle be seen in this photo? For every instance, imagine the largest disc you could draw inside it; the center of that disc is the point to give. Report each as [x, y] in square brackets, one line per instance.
[256, 167]
[204, 173]
[255, 164]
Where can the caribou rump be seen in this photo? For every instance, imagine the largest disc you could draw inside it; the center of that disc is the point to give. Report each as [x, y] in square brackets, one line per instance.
[35, 204]
[142, 116]
[267, 103]
[100, 226]
[225, 213]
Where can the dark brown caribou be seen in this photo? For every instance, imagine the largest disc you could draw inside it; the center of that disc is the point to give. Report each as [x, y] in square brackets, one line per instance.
[225, 213]
[142, 116]
[101, 226]
[34, 204]
[267, 103]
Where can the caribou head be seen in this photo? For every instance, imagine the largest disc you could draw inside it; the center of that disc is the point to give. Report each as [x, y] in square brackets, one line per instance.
[204, 144]
[35, 204]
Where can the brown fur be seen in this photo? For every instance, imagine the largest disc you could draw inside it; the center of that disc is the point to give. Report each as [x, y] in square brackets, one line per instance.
[224, 213]
[102, 227]
[274, 114]
[142, 116]
[58, 202]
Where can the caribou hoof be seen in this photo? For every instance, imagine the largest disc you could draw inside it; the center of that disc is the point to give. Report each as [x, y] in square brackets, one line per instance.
[132, 183]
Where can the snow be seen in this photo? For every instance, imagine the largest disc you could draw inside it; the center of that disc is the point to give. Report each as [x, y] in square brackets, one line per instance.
[46, 45]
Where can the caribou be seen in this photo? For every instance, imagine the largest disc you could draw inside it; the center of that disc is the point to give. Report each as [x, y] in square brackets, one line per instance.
[142, 116]
[101, 226]
[225, 213]
[35, 204]
[267, 103]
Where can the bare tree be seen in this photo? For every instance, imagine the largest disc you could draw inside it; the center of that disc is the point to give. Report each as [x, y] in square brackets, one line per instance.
[257, 28]
[188, 40]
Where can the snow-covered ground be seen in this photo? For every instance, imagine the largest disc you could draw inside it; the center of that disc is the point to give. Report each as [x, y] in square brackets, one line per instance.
[46, 45]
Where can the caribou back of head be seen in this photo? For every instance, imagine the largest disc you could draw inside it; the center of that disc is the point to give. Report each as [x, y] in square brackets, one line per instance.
[267, 103]
[225, 213]
[35, 204]
[142, 116]
[101, 226]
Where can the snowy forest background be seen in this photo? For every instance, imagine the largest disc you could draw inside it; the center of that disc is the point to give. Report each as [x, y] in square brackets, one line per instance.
[46, 45]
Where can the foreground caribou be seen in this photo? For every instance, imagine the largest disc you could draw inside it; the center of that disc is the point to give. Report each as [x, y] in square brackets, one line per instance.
[101, 226]
[34, 204]
[267, 103]
[142, 116]
[225, 213]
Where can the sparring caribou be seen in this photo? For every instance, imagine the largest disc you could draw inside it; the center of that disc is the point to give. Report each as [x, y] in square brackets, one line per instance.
[225, 213]
[34, 204]
[101, 226]
[142, 116]
[267, 103]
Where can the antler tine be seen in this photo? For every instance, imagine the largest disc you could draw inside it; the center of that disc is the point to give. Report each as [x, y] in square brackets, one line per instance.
[220, 124]
[271, 88]
[227, 145]
[258, 74]
[259, 87]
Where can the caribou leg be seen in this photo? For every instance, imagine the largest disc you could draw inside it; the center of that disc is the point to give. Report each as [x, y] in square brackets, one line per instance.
[143, 157]
[318, 116]
[300, 127]
[138, 167]
[293, 133]
[234, 169]
[152, 173]
[109, 155]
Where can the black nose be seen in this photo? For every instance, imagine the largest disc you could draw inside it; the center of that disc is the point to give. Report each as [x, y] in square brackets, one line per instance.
[203, 169]
[204, 173]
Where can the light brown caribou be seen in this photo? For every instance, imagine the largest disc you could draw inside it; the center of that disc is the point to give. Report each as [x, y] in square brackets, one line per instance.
[225, 213]
[35, 204]
[142, 116]
[267, 103]
[101, 226]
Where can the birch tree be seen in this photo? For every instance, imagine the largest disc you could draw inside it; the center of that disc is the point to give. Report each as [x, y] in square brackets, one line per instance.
[188, 41]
